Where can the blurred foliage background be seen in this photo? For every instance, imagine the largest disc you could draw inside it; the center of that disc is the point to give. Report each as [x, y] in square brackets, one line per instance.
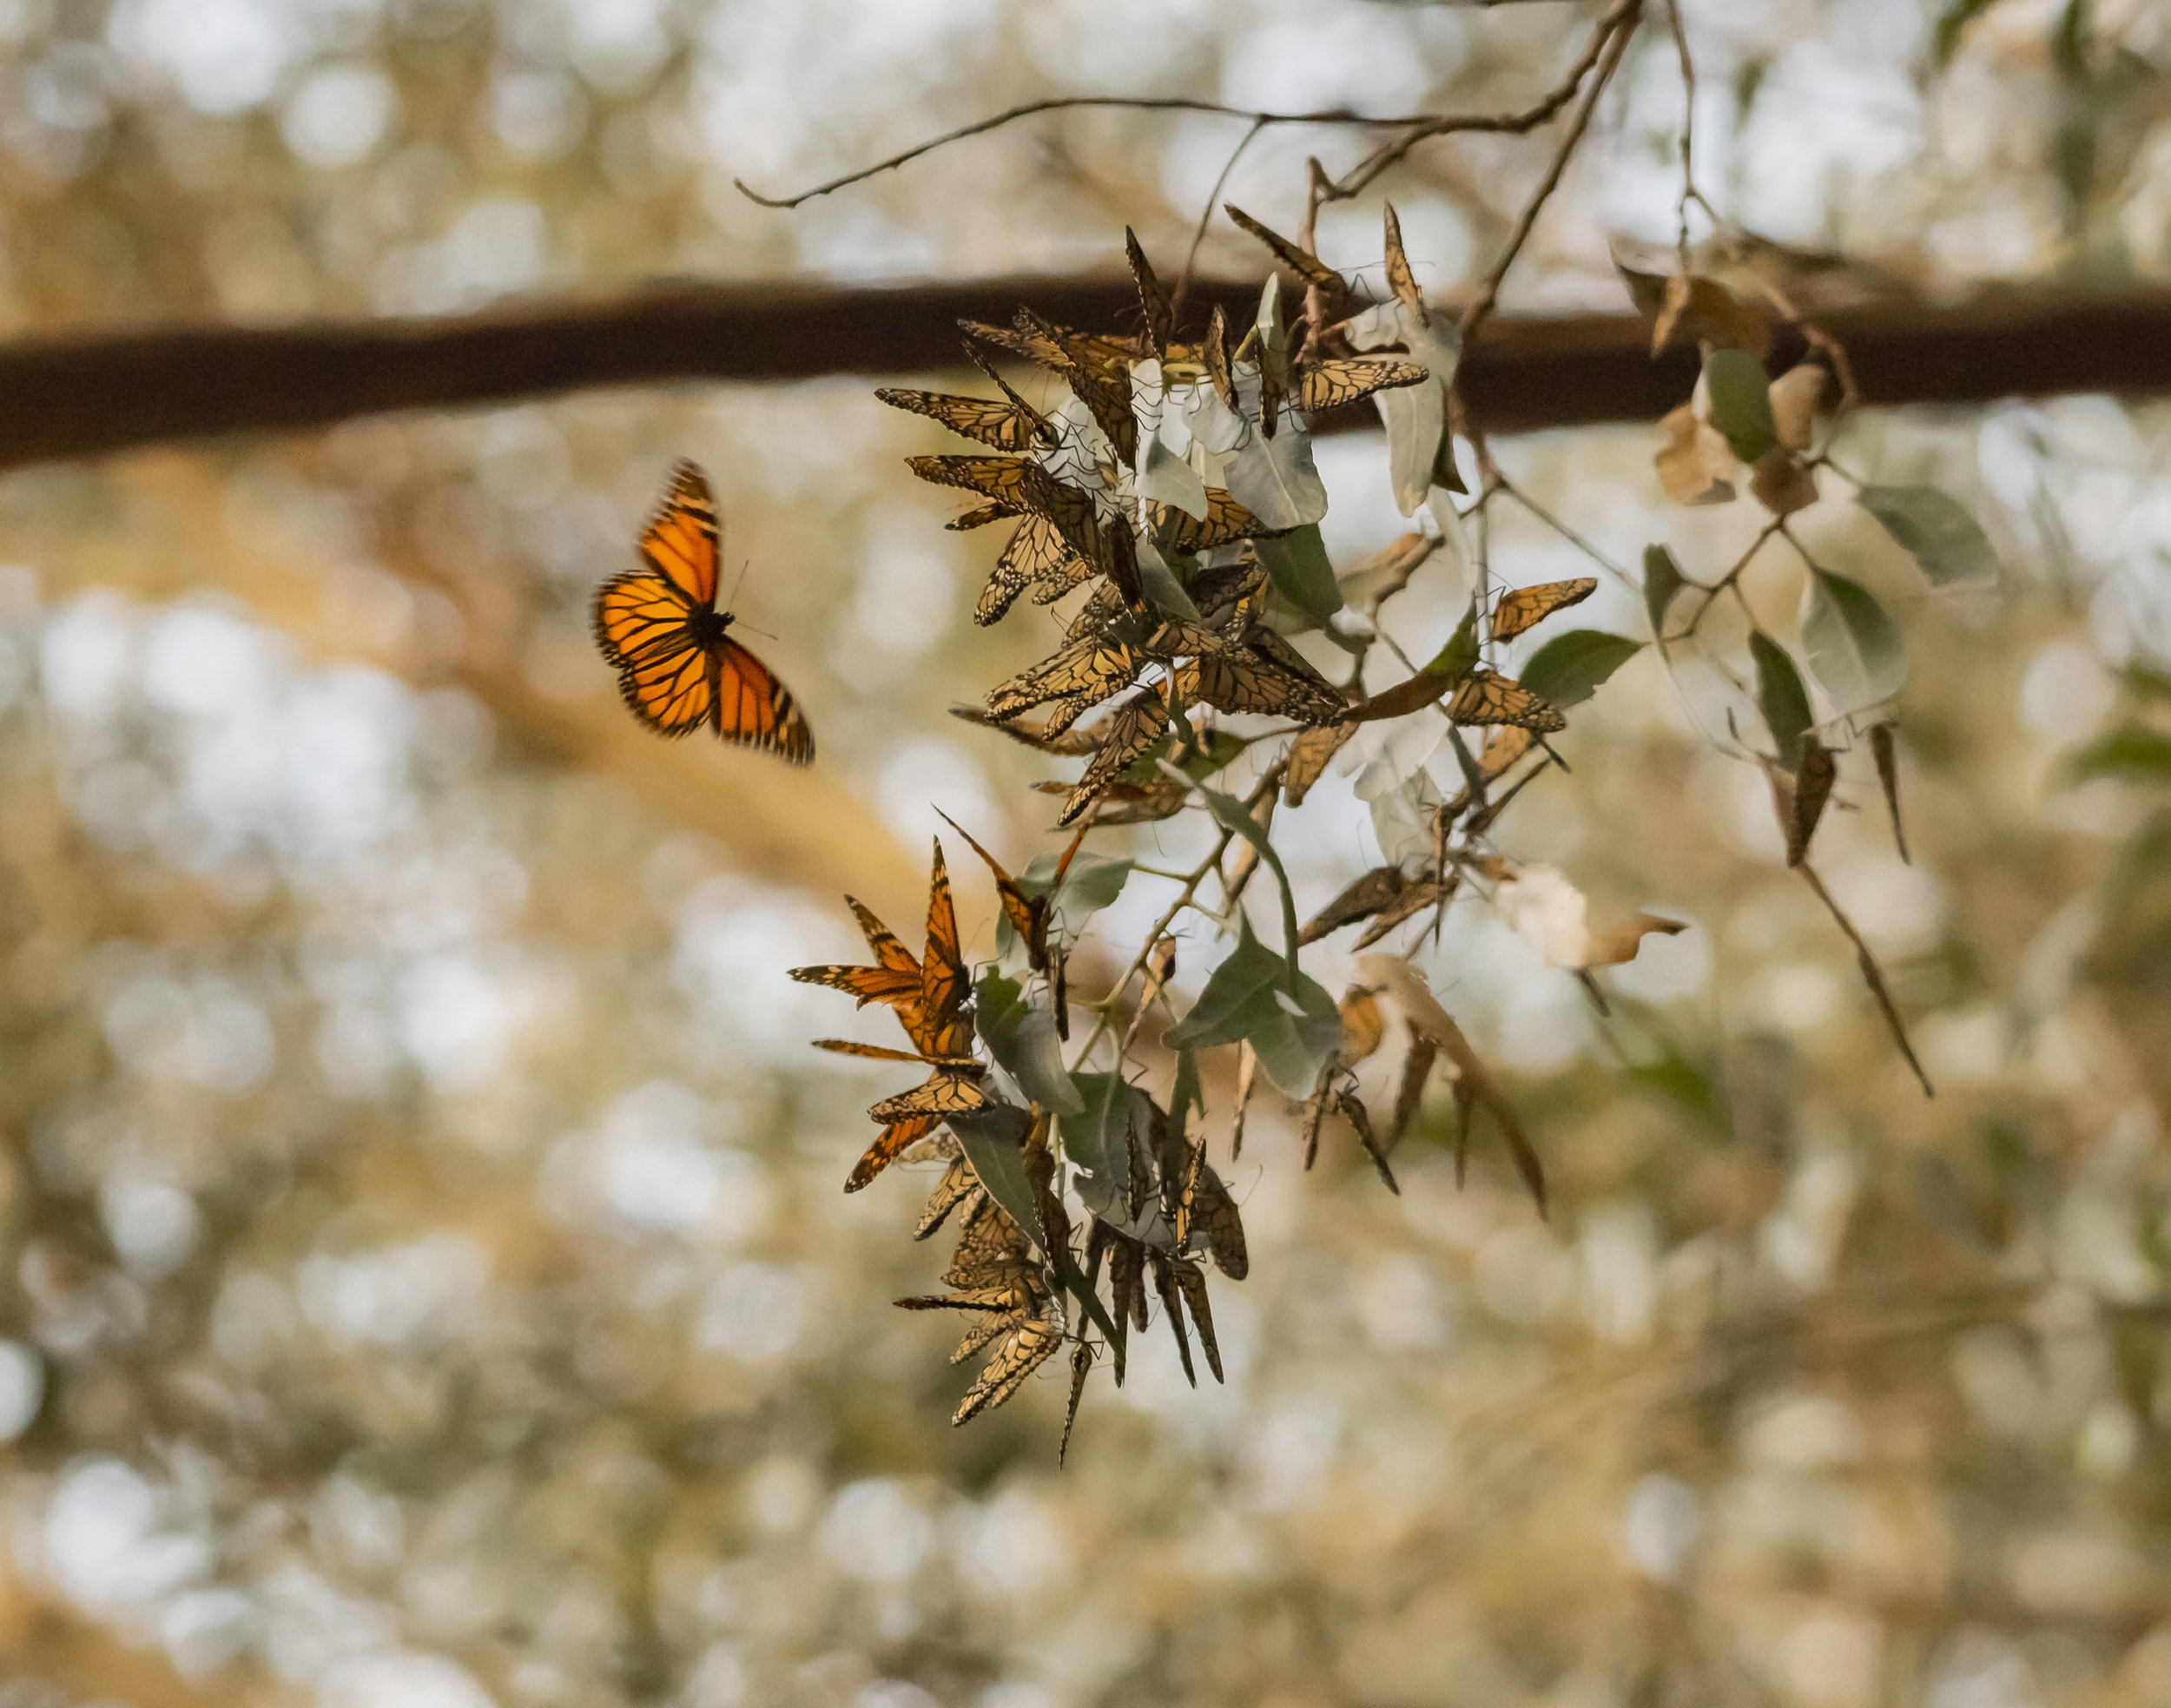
[427, 1281]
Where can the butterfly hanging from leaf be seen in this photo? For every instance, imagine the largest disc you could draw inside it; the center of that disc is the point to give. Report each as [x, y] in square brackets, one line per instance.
[678, 668]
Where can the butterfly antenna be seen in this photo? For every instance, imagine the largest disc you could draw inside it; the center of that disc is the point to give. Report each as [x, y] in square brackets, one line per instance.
[740, 623]
[736, 586]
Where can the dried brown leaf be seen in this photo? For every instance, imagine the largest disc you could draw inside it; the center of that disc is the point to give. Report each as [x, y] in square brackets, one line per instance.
[1619, 943]
[1705, 311]
[1695, 464]
[1815, 771]
[1370, 582]
[1795, 397]
[1247, 1073]
[1780, 482]
[1359, 899]
[1411, 695]
[1413, 901]
[1882, 748]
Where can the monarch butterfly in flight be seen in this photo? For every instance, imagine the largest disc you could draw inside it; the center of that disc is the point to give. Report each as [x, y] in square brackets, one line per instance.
[660, 627]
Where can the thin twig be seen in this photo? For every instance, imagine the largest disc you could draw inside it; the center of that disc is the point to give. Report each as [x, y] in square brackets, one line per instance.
[1147, 104]
[1619, 30]
[1871, 976]
[1776, 524]
[1620, 17]
[1418, 127]
[1689, 192]
[1569, 534]
[1267, 784]
[1206, 218]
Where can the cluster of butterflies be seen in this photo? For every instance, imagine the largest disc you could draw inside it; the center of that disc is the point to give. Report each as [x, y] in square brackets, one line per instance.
[1170, 1210]
[1066, 476]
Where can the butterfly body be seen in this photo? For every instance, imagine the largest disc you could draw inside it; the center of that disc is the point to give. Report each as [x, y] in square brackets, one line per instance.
[679, 669]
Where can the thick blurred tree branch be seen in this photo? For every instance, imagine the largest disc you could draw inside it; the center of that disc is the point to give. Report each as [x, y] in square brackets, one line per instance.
[43, 1639]
[89, 393]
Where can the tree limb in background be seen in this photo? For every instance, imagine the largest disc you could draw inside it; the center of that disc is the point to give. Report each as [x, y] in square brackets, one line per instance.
[103, 391]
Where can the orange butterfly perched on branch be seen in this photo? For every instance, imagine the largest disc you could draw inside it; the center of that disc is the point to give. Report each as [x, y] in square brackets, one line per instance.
[658, 625]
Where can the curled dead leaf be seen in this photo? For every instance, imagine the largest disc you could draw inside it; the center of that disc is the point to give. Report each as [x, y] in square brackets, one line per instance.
[1795, 396]
[1617, 944]
[1815, 771]
[1882, 748]
[1542, 907]
[1780, 483]
[1695, 464]
[1705, 311]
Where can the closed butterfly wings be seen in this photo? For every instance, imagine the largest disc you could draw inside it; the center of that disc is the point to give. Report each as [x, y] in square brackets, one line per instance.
[927, 993]
[678, 669]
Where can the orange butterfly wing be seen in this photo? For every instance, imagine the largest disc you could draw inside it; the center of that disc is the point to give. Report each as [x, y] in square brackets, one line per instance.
[665, 682]
[750, 706]
[683, 541]
[677, 670]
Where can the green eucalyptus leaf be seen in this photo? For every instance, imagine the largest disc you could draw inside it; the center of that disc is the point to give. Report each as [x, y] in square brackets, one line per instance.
[1100, 1142]
[1301, 573]
[994, 1139]
[2146, 680]
[1956, 17]
[1781, 696]
[1273, 333]
[1662, 579]
[1277, 479]
[1855, 649]
[1022, 1038]
[1741, 402]
[1292, 1048]
[1237, 993]
[1937, 531]
[1250, 996]
[1163, 588]
[994, 1142]
[1187, 1093]
[1459, 656]
[1569, 669]
[1090, 885]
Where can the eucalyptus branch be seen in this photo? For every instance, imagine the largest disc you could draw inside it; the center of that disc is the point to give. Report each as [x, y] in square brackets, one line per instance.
[1570, 534]
[1689, 192]
[1268, 783]
[1732, 576]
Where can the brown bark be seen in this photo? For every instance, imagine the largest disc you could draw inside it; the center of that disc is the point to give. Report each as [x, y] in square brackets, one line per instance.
[89, 393]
